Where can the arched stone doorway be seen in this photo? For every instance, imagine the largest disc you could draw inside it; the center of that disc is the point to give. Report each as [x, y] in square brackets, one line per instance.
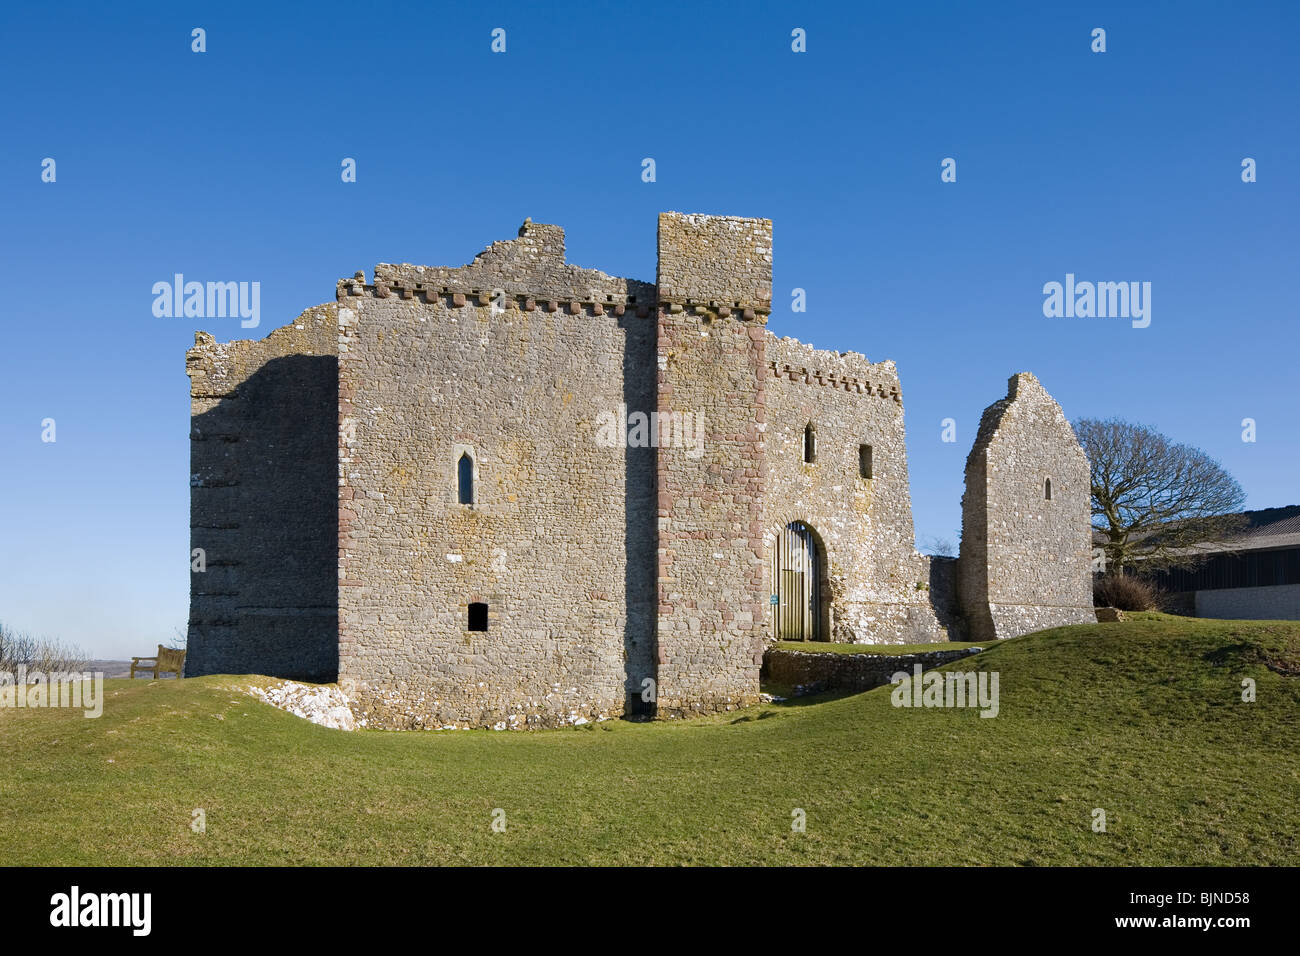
[798, 575]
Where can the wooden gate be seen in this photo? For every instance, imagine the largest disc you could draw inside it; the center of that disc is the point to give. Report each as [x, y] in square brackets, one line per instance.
[798, 588]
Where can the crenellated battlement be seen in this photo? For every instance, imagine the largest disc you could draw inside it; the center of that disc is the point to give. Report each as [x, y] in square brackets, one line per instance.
[795, 361]
[531, 266]
[642, 302]
[816, 376]
[456, 296]
[713, 267]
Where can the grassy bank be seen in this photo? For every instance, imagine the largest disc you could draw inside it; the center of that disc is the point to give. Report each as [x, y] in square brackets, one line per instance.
[1143, 719]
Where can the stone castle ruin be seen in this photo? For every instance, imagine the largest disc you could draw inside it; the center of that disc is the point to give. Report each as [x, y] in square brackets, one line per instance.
[413, 490]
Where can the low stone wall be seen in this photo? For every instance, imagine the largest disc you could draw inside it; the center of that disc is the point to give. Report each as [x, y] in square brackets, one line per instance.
[811, 672]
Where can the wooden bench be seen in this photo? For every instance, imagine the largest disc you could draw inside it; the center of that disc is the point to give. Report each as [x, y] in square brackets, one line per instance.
[167, 661]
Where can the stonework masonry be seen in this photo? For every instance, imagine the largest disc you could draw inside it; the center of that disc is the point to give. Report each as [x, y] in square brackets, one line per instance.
[263, 507]
[811, 672]
[404, 489]
[1024, 515]
[875, 588]
[558, 540]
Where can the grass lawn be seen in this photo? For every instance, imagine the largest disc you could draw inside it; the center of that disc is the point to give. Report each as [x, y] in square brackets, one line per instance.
[826, 647]
[1143, 719]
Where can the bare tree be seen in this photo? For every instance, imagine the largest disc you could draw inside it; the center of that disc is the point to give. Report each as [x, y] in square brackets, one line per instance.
[37, 653]
[1153, 497]
[937, 547]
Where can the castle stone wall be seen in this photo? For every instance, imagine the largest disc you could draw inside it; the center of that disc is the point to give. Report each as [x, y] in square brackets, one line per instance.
[559, 541]
[262, 502]
[875, 587]
[814, 673]
[1025, 559]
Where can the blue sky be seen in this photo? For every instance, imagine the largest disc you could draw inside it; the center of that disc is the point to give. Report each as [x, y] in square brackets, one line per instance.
[225, 165]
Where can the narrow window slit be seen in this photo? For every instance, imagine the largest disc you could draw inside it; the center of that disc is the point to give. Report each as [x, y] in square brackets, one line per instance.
[465, 479]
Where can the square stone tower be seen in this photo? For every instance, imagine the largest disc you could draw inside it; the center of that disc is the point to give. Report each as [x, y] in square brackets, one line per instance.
[714, 298]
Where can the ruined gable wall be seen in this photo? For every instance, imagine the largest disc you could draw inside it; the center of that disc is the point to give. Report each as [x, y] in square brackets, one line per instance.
[1025, 559]
[715, 289]
[560, 541]
[878, 590]
[263, 503]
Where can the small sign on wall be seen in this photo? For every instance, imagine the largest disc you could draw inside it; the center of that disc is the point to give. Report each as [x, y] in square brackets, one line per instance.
[776, 599]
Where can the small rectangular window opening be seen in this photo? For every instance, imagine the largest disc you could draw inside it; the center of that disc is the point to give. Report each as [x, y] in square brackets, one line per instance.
[864, 461]
[478, 616]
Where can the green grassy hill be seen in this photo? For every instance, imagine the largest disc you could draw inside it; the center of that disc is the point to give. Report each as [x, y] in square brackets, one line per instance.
[1143, 719]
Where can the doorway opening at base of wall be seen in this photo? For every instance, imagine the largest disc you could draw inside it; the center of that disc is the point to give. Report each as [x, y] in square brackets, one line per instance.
[478, 616]
[797, 569]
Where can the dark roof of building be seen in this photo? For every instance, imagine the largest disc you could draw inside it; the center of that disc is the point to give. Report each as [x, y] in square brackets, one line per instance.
[1273, 521]
[1266, 528]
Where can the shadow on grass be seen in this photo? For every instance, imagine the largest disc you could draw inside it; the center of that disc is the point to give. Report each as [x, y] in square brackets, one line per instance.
[1277, 659]
[788, 701]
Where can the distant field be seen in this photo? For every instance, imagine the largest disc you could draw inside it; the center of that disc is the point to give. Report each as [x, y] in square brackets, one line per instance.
[1142, 719]
[112, 668]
